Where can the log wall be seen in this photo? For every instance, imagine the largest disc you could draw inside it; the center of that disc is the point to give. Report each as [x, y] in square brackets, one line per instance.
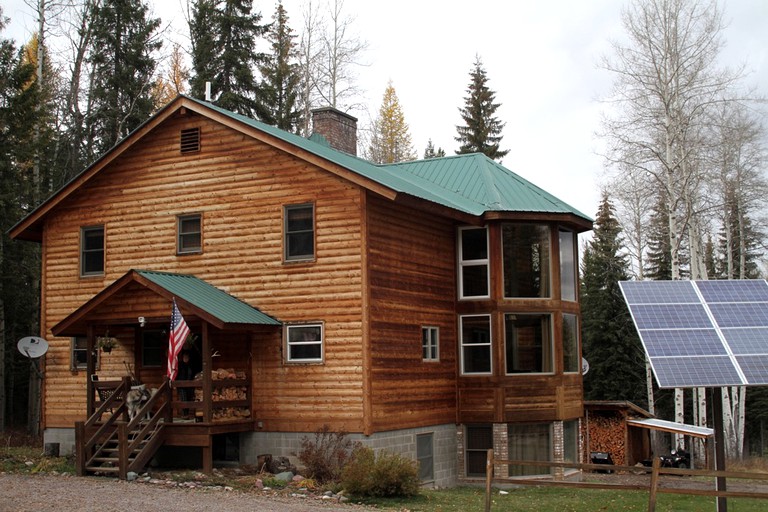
[240, 186]
[411, 266]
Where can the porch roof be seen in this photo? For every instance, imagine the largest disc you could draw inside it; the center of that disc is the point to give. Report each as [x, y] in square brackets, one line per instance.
[192, 294]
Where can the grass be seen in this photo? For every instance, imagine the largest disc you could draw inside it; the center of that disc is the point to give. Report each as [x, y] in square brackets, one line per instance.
[542, 499]
[30, 460]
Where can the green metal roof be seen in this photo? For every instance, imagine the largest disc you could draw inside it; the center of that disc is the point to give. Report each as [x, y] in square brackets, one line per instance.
[208, 298]
[472, 183]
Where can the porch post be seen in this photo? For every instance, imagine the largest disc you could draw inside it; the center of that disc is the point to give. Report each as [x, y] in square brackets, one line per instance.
[207, 364]
[90, 365]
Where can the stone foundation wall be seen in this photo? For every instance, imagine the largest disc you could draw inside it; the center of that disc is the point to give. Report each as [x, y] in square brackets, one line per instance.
[253, 444]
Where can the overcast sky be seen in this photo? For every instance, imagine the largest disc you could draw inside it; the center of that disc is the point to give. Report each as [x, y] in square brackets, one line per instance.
[541, 58]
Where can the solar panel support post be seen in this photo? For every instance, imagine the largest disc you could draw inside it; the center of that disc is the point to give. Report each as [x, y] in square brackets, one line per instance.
[717, 412]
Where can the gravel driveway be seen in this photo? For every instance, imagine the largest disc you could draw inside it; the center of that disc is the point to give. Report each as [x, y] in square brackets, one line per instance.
[47, 493]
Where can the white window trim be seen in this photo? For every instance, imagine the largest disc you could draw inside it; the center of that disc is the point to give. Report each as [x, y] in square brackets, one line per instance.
[462, 344]
[474, 263]
[434, 339]
[289, 344]
[551, 344]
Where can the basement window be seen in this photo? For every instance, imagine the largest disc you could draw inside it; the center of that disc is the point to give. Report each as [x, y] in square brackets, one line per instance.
[190, 140]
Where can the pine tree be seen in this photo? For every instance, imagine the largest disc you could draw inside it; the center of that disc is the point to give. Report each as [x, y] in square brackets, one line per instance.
[390, 141]
[658, 265]
[430, 152]
[123, 61]
[610, 342]
[482, 131]
[282, 79]
[737, 258]
[20, 120]
[225, 35]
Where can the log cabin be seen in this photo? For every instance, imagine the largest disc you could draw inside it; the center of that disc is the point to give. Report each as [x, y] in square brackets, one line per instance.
[427, 307]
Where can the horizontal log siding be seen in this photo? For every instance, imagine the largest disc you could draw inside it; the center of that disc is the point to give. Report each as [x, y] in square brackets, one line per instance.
[240, 186]
[412, 284]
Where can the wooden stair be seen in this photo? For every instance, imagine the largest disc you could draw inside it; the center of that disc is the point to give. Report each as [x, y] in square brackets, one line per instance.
[115, 447]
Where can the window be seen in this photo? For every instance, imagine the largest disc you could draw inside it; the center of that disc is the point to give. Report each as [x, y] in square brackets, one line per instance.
[153, 345]
[525, 251]
[429, 343]
[189, 234]
[529, 442]
[475, 344]
[473, 263]
[479, 441]
[92, 251]
[79, 360]
[528, 343]
[425, 456]
[571, 441]
[567, 265]
[305, 343]
[299, 232]
[570, 344]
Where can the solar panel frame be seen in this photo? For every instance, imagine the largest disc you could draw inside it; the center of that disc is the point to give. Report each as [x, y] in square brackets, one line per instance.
[681, 322]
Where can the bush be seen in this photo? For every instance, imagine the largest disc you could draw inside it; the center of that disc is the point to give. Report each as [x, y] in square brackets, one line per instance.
[326, 455]
[388, 474]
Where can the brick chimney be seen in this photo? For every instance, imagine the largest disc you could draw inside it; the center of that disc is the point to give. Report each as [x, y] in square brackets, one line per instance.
[338, 128]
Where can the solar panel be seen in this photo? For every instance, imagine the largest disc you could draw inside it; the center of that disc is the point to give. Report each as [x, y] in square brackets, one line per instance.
[702, 333]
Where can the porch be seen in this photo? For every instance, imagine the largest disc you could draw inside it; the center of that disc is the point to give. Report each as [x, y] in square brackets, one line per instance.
[214, 397]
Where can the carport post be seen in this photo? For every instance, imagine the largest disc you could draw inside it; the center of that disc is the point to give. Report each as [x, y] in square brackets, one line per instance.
[717, 411]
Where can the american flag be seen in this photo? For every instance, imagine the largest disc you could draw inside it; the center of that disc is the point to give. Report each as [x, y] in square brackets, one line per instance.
[179, 333]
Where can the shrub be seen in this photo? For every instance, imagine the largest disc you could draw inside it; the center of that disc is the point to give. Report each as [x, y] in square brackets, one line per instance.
[326, 455]
[388, 474]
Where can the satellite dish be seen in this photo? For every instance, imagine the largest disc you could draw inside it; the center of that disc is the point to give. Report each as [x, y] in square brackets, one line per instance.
[584, 366]
[32, 346]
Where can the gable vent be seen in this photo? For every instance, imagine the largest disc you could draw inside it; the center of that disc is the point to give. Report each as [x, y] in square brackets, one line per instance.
[190, 140]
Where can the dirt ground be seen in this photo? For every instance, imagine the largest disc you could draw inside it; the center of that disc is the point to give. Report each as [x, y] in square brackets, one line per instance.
[59, 493]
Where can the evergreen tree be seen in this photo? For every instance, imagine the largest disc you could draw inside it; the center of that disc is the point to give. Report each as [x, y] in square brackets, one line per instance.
[610, 342]
[430, 152]
[390, 141]
[20, 118]
[225, 35]
[482, 131]
[739, 244]
[282, 79]
[123, 62]
[658, 265]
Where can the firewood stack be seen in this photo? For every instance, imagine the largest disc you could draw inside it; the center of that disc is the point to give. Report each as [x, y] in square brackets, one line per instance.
[608, 434]
[227, 393]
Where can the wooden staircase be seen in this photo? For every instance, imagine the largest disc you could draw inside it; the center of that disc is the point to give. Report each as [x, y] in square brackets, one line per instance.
[113, 446]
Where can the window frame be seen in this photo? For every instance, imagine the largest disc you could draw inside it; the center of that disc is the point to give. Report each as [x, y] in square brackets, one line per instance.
[84, 231]
[430, 343]
[507, 273]
[522, 432]
[480, 451]
[426, 439]
[287, 233]
[288, 344]
[73, 349]
[551, 346]
[481, 262]
[576, 344]
[488, 344]
[180, 220]
[568, 269]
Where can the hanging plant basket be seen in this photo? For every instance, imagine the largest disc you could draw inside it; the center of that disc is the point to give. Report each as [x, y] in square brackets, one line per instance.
[106, 343]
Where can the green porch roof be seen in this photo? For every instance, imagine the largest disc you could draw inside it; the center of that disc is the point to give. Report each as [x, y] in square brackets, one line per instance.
[208, 298]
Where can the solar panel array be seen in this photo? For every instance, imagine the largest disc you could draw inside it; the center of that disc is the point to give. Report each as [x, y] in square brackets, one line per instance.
[702, 333]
